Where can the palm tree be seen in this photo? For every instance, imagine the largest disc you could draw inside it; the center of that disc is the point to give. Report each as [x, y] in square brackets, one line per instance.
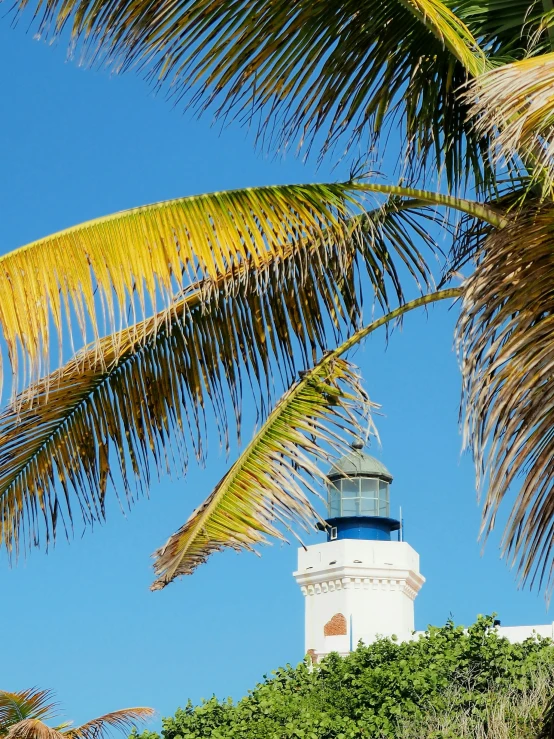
[272, 286]
[23, 715]
[223, 288]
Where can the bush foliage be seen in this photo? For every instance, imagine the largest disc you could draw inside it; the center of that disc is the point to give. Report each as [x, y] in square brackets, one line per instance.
[384, 690]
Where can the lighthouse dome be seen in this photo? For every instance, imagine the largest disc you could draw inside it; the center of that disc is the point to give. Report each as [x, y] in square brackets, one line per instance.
[359, 464]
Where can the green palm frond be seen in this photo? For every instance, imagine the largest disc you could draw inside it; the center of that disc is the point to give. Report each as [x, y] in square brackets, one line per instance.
[513, 105]
[505, 335]
[140, 257]
[25, 704]
[345, 67]
[267, 484]
[266, 487]
[352, 68]
[140, 397]
[507, 29]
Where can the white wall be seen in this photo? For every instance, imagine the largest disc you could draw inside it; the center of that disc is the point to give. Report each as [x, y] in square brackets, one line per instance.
[520, 633]
[372, 584]
[514, 634]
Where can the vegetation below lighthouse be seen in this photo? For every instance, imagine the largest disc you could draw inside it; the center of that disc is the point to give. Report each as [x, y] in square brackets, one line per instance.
[452, 682]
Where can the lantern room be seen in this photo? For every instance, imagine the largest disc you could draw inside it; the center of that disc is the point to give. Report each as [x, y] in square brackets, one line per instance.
[358, 500]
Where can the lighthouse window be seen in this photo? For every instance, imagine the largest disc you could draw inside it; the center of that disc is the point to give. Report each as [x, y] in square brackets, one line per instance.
[350, 506]
[334, 501]
[384, 505]
[368, 487]
[351, 488]
[358, 496]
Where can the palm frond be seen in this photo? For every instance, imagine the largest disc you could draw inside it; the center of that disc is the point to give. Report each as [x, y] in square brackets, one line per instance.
[24, 704]
[140, 397]
[98, 728]
[132, 261]
[122, 720]
[32, 728]
[513, 105]
[506, 30]
[266, 486]
[505, 340]
[472, 231]
[348, 67]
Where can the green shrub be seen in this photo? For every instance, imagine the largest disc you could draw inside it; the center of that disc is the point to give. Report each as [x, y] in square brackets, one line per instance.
[388, 689]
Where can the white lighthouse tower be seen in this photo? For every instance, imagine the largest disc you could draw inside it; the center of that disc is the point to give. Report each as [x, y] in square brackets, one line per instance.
[359, 584]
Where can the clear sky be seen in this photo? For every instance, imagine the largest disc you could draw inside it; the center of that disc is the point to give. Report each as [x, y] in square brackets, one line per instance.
[77, 144]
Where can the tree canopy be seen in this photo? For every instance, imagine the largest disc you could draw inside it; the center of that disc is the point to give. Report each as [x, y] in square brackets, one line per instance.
[377, 689]
[190, 301]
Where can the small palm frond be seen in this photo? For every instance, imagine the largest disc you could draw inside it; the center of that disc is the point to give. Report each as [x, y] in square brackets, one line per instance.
[140, 397]
[24, 704]
[341, 67]
[267, 484]
[99, 728]
[514, 106]
[123, 720]
[505, 336]
[129, 262]
[32, 728]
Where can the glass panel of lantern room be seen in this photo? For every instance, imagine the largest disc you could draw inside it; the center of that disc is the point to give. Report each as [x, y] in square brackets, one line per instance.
[384, 504]
[334, 501]
[369, 486]
[350, 488]
[369, 491]
[350, 506]
[369, 506]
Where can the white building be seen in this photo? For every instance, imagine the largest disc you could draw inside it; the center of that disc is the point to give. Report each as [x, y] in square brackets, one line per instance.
[362, 583]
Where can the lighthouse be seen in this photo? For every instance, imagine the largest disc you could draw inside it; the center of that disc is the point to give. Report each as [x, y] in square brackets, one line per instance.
[362, 582]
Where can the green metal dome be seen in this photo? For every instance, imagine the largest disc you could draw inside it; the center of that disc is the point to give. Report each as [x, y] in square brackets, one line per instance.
[359, 464]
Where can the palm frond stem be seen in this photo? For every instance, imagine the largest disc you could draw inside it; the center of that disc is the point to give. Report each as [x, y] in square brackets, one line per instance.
[255, 492]
[471, 207]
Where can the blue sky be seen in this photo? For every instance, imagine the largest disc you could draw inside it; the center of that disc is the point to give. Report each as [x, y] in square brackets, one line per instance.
[77, 144]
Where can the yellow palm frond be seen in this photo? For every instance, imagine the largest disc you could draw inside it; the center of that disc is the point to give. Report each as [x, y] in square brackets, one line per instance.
[451, 31]
[138, 258]
[514, 105]
[266, 487]
[267, 484]
[140, 397]
[505, 335]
